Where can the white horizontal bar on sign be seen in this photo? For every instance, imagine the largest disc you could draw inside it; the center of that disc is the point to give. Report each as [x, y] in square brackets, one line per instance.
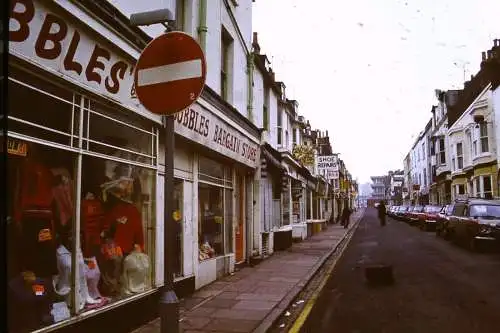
[167, 73]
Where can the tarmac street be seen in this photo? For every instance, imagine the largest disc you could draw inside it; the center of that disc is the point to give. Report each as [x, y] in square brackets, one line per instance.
[439, 287]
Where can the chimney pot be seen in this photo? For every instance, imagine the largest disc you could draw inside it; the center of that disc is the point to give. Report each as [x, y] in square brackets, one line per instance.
[490, 54]
[483, 54]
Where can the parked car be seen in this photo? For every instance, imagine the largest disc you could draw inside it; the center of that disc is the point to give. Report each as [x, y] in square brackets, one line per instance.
[392, 211]
[443, 219]
[475, 222]
[414, 215]
[428, 219]
[399, 214]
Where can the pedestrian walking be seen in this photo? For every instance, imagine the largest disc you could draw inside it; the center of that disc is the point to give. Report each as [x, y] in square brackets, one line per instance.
[346, 214]
[381, 213]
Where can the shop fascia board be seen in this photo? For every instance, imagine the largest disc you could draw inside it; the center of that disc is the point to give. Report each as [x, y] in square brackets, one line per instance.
[82, 14]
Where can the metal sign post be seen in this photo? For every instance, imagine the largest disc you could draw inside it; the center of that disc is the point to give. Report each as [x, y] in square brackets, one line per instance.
[169, 77]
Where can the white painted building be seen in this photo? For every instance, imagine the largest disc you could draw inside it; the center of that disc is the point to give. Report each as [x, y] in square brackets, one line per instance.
[94, 134]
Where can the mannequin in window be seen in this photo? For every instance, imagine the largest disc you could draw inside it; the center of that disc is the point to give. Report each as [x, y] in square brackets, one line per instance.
[62, 281]
[122, 213]
[122, 232]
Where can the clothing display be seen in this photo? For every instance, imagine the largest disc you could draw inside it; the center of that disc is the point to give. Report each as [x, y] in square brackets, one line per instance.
[91, 225]
[110, 263]
[128, 226]
[136, 276]
[35, 190]
[93, 275]
[29, 300]
[62, 282]
[37, 249]
[60, 311]
[41, 226]
[63, 195]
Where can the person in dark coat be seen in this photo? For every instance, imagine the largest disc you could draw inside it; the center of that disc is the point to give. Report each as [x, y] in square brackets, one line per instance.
[381, 213]
[346, 214]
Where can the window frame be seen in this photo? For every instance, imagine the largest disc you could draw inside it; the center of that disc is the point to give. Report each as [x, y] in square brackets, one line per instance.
[79, 143]
[483, 137]
[460, 156]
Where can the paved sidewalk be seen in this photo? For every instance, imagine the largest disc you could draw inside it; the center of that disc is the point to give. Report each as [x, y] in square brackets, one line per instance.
[252, 298]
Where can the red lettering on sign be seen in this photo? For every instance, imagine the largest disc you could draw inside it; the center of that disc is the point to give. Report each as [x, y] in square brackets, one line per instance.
[23, 18]
[69, 63]
[117, 71]
[45, 35]
[95, 63]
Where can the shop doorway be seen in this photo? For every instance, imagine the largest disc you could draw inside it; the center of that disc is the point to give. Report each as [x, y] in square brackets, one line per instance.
[240, 220]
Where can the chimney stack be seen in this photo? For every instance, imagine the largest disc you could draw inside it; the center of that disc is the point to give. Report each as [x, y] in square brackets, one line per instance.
[271, 74]
[490, 54]
[255, 43]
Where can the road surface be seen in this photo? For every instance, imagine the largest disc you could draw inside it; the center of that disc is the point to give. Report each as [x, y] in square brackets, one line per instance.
[439, 286]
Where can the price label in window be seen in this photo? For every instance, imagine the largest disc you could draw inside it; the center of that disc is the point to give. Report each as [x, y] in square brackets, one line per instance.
[16, 147]
[176, 215]
[38, 289]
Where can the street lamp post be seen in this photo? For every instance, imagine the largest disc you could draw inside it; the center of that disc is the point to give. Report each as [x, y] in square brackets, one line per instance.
[168, 303]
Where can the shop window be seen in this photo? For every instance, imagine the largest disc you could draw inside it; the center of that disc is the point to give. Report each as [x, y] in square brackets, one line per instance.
[178, 195]
[40, 226]
[308, 204]
[215, 226]
[117, 229]
[116, 197]
[47, 113]
[130, 140]
[211, 224]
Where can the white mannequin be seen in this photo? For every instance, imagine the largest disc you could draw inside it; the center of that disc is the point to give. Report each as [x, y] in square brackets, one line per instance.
[62, 282]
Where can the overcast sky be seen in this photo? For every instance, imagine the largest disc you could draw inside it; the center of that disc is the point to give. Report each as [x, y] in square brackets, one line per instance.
[366, 70]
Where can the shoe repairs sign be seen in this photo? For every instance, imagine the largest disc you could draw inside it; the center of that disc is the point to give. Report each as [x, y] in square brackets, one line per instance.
[327, 166]
[202, 126]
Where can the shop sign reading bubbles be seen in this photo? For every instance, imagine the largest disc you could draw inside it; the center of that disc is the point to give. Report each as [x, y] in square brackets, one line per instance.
[170, 73]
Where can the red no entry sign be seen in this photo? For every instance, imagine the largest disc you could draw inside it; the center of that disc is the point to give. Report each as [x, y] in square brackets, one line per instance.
[170, 73]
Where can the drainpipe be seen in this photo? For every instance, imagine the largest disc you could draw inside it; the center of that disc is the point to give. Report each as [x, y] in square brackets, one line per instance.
[202, 25]
[250, 68]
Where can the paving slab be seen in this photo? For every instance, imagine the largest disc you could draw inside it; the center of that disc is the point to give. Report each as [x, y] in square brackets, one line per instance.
[251, 299]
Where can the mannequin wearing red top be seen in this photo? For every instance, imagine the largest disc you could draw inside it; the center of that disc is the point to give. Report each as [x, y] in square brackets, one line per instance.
[127, 220]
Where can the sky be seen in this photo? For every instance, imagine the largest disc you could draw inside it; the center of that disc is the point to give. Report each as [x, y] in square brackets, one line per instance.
[366, 70]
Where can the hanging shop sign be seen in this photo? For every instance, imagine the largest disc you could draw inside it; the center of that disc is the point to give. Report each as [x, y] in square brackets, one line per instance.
[327, 166]
[43, 34]
[200, 125]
